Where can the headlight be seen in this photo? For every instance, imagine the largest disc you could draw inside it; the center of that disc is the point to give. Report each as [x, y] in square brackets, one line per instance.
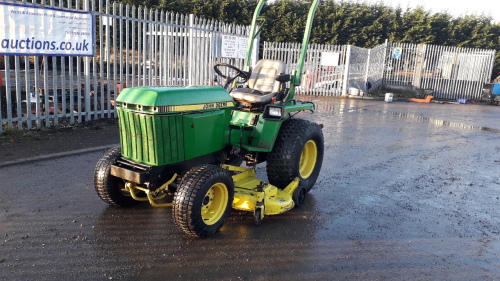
[275, 111]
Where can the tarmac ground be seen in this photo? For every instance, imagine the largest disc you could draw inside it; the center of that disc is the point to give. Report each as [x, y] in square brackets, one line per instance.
[407, 191]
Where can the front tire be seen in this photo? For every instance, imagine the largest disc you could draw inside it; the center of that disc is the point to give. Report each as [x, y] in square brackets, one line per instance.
[298, 152]
[203, 200]
[110, 188]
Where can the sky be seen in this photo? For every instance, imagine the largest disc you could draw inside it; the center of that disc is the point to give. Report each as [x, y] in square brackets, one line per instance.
[454, 7]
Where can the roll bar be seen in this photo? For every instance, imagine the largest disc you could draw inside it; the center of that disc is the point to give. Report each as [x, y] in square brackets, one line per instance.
[254, 32]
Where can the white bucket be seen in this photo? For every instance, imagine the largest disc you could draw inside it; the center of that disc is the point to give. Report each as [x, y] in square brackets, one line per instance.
[353, 92]
[388, 97]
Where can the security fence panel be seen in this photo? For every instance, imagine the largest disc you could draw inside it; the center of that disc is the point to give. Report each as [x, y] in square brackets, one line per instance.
[324, 72]
[286, 52]
[324, 68]
[133, 46]
[375, 69]
[452, 72]
[330, 70]
[400, 65]
[63, 83]
[357, 70]
[446, 72]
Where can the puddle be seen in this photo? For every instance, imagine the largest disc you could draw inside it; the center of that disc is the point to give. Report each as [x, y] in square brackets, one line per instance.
[335, 105]
[340, 107]
[441, 123]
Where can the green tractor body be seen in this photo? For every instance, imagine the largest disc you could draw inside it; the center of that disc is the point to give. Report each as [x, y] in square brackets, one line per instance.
[182, 147]
[161, 126]
[166, 125]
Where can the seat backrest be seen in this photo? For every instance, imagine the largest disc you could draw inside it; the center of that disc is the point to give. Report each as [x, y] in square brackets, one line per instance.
[263, 76]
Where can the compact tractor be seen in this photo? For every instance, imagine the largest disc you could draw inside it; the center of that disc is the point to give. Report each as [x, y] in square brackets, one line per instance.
[182, 147]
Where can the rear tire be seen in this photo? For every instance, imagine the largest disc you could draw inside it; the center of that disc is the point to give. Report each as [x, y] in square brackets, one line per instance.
[203, 200]
[298, 152]
[110, 188]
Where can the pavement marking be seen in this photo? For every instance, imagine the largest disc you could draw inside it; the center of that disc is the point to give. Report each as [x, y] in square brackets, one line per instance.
[56, 155]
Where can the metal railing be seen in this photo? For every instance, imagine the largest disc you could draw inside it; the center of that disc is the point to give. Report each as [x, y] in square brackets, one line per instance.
[321, 76]
[446, 72]
[135, 46]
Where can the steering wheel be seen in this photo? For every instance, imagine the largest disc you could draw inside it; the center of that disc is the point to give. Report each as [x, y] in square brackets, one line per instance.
[230, 78]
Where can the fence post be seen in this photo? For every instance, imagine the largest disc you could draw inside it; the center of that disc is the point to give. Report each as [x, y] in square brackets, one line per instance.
[345, 83]
[368, 58]
[384, 63]
[2, 90]
[8, 94]
[255, 51]
[87, 77]
[417, 75]
[191, 50]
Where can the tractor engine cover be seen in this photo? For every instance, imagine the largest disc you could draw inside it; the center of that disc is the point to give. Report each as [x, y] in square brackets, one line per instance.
[165, 125]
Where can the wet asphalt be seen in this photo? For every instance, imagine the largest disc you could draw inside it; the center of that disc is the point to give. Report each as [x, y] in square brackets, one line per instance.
[407, 192]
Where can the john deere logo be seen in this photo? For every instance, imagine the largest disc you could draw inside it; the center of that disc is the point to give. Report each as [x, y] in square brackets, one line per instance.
[214, 105]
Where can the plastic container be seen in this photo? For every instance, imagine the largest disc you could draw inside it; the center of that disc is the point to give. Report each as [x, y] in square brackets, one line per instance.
[353, 92]
[496, 89]
[389, 97]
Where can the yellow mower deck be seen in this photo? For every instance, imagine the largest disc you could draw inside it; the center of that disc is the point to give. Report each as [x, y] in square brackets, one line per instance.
[252, 194]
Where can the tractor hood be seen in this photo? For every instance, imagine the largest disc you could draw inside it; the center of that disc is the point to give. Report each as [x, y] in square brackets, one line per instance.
[174, 99]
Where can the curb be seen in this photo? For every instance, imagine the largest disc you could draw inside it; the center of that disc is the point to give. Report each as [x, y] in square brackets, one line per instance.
[56, 155]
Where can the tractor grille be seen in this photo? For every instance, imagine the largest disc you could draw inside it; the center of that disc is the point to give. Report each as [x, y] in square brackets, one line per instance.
[152, 139]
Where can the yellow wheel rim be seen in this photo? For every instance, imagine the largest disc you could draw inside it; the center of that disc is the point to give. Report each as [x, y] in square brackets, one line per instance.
[214, 203]
[308, 159]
